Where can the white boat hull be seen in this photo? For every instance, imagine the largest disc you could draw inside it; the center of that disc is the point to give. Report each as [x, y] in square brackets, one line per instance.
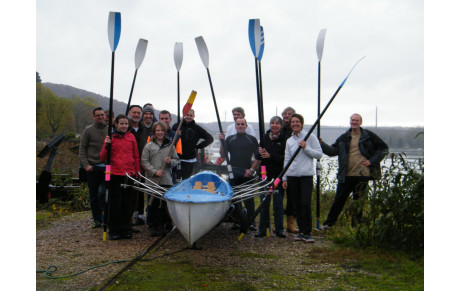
[194, 220]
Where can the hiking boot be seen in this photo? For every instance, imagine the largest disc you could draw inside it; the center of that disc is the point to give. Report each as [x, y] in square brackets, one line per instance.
[260, 234]
[309, 239]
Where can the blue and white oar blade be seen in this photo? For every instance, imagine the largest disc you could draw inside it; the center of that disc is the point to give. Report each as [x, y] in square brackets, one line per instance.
[114, 29]
[203, 51]
[140, 52]
[320, 43]
[178, 55]
[262, 44]
[352, 68]
[251, 34]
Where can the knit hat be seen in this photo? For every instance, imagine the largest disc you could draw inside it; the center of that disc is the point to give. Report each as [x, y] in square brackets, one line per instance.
[148, 109]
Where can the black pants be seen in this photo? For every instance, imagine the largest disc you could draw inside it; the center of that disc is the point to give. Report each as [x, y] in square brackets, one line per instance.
[186, 169]
[357, 185]
[239, 179]
[95, 179]
[300, 189]
[120, 199]
[158, 215]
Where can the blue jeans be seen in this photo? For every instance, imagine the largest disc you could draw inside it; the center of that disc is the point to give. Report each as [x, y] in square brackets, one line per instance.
[278, 211]
[96, 178]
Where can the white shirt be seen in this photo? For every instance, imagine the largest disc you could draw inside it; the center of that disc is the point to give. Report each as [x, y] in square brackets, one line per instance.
[231, 130]
[303, 162]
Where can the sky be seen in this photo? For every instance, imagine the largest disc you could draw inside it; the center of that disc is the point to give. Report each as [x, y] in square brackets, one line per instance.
[72, 48]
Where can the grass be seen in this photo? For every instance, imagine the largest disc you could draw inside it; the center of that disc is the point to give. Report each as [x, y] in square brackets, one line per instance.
[323, 268]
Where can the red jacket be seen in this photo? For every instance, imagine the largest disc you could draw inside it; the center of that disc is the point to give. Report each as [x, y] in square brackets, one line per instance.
[124, 154]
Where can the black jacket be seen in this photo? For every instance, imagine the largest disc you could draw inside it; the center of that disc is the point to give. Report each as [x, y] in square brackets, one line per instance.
[370, 146]
[191, 133]
[276, 149]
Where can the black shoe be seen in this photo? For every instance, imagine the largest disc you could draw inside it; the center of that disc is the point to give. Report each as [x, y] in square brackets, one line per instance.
[127, 236]
[138, 221]
[153, 232]
[114, 236]
[260, 234]
[236, 227]
[280, 234]
[252, 227]
[135, 231]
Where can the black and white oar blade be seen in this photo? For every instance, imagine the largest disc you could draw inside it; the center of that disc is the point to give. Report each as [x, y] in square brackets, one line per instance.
[320, 44]
[114, 29]
[203, 51]
[178, 55]
[140, 52]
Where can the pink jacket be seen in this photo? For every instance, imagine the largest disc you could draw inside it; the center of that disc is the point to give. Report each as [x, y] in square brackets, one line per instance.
[124, 154]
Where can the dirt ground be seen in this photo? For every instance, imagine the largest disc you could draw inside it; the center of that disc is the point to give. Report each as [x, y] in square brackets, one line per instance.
[69, 244]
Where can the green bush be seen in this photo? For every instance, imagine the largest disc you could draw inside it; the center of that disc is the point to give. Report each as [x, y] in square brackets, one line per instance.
[393, 210]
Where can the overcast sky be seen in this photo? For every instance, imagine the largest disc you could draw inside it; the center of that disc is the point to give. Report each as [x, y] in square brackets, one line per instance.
[72, 48]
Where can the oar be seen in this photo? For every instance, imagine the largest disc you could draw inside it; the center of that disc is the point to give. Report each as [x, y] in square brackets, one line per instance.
[280, 176]
[319, 53]
[185, 110]
[138, 59]
[257, 43]
[204, 55]
[114, 31]
[178, 56]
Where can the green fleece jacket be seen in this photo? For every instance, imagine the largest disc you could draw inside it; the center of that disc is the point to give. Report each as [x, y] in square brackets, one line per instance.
[91, 142]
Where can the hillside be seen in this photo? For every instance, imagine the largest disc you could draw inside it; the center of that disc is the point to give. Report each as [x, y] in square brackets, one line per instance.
[395, 137]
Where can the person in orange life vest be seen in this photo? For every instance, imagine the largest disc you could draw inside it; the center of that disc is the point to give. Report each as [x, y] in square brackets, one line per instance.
[124, 160]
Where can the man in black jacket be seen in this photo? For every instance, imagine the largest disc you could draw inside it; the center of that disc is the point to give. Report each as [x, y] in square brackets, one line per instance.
[190, 134]
[360, 152]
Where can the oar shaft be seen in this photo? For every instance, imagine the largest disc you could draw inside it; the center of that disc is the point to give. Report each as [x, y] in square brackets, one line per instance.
[131, 93]
[229, 166]
[178, 96]
[318, 165]
[307, 136]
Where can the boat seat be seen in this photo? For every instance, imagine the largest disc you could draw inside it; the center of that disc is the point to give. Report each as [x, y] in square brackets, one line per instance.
[211, 187]
[198, 185]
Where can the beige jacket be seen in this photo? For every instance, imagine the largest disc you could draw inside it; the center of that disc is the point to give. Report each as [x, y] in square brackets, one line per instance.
[152, 160]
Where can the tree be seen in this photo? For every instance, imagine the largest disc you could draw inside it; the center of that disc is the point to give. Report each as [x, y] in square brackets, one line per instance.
[53, 113]
[83, 111]
[39, 80]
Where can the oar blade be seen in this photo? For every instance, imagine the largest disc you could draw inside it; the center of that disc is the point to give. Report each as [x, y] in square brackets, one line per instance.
[140, 52]
[114, 29]
[203, 51]
[251, 34]
[262, 44]
[178, 55]
[320, 43]
[254, 34]
[352, 68]
[189, 103]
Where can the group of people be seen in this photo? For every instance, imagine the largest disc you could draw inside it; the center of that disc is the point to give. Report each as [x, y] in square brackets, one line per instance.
[140, 143]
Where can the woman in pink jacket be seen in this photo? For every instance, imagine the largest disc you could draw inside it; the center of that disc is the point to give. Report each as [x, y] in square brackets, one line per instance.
[124, 160]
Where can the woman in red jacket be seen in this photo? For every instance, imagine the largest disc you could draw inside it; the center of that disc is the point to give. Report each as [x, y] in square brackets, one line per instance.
[124, 159]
